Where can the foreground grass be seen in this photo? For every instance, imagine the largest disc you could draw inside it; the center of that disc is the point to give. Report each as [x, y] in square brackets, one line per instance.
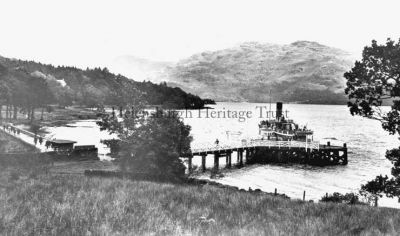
[64, 204]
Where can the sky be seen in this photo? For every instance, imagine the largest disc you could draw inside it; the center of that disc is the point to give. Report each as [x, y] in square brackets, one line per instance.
[86, 33]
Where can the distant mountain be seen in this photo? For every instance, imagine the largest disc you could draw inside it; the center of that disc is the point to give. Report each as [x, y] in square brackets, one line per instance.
[140, 69]
[303, 72]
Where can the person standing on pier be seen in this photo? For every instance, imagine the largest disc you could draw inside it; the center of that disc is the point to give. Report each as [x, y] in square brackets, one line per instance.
[216, 142]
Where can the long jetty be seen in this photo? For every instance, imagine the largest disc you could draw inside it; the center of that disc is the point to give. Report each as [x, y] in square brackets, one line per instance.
[270, 151]
[49, 146]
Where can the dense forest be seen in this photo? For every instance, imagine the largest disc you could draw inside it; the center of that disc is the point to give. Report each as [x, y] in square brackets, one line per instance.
[27, 85]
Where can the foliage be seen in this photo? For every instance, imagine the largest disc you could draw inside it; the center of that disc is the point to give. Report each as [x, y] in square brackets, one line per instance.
[21, 91]
[150, 143]
[348, 198]
[383, 184]
[370, 83]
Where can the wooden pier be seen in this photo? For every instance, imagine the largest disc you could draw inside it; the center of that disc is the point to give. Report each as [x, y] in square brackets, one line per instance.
[269, 151]
[55, 147]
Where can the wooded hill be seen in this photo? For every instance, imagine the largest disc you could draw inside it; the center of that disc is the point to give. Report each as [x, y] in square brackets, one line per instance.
[26, 85]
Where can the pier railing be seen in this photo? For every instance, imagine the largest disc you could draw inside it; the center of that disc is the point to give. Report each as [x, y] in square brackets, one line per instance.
[207, 147]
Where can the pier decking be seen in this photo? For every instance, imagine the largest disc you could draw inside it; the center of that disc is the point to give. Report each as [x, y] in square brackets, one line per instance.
[270, 151]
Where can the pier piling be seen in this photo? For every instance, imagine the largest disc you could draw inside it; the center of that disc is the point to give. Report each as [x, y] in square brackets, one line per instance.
[216, 161]
[203, 163]
[190, 164]
[229, 159]
[240, 158]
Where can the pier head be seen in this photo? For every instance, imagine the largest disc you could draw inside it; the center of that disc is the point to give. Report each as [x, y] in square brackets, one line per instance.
[268, 151]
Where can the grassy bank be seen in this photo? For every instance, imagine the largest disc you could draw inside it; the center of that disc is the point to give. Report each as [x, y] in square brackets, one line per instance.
[35, 200]
[10, 144]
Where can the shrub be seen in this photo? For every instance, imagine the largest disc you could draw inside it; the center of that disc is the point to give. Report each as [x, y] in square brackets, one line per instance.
[348, 198]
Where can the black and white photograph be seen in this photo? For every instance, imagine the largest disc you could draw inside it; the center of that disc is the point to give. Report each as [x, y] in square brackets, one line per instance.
[199, 117]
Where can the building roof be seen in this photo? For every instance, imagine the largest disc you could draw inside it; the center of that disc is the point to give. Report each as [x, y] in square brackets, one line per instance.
[62, 141]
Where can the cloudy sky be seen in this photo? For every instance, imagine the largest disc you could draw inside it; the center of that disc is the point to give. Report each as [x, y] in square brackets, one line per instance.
[93, 33]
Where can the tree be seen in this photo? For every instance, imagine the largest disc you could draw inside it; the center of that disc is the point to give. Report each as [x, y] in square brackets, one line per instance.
[4, 95]
[5, 91]
[94, 96]
[150, 144]
[39, 94]
[372, 82]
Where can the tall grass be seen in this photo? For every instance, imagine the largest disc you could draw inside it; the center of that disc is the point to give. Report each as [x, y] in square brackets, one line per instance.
[54, 204]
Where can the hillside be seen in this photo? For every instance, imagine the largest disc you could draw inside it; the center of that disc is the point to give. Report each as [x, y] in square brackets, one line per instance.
[304, 72]
[90, 87]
